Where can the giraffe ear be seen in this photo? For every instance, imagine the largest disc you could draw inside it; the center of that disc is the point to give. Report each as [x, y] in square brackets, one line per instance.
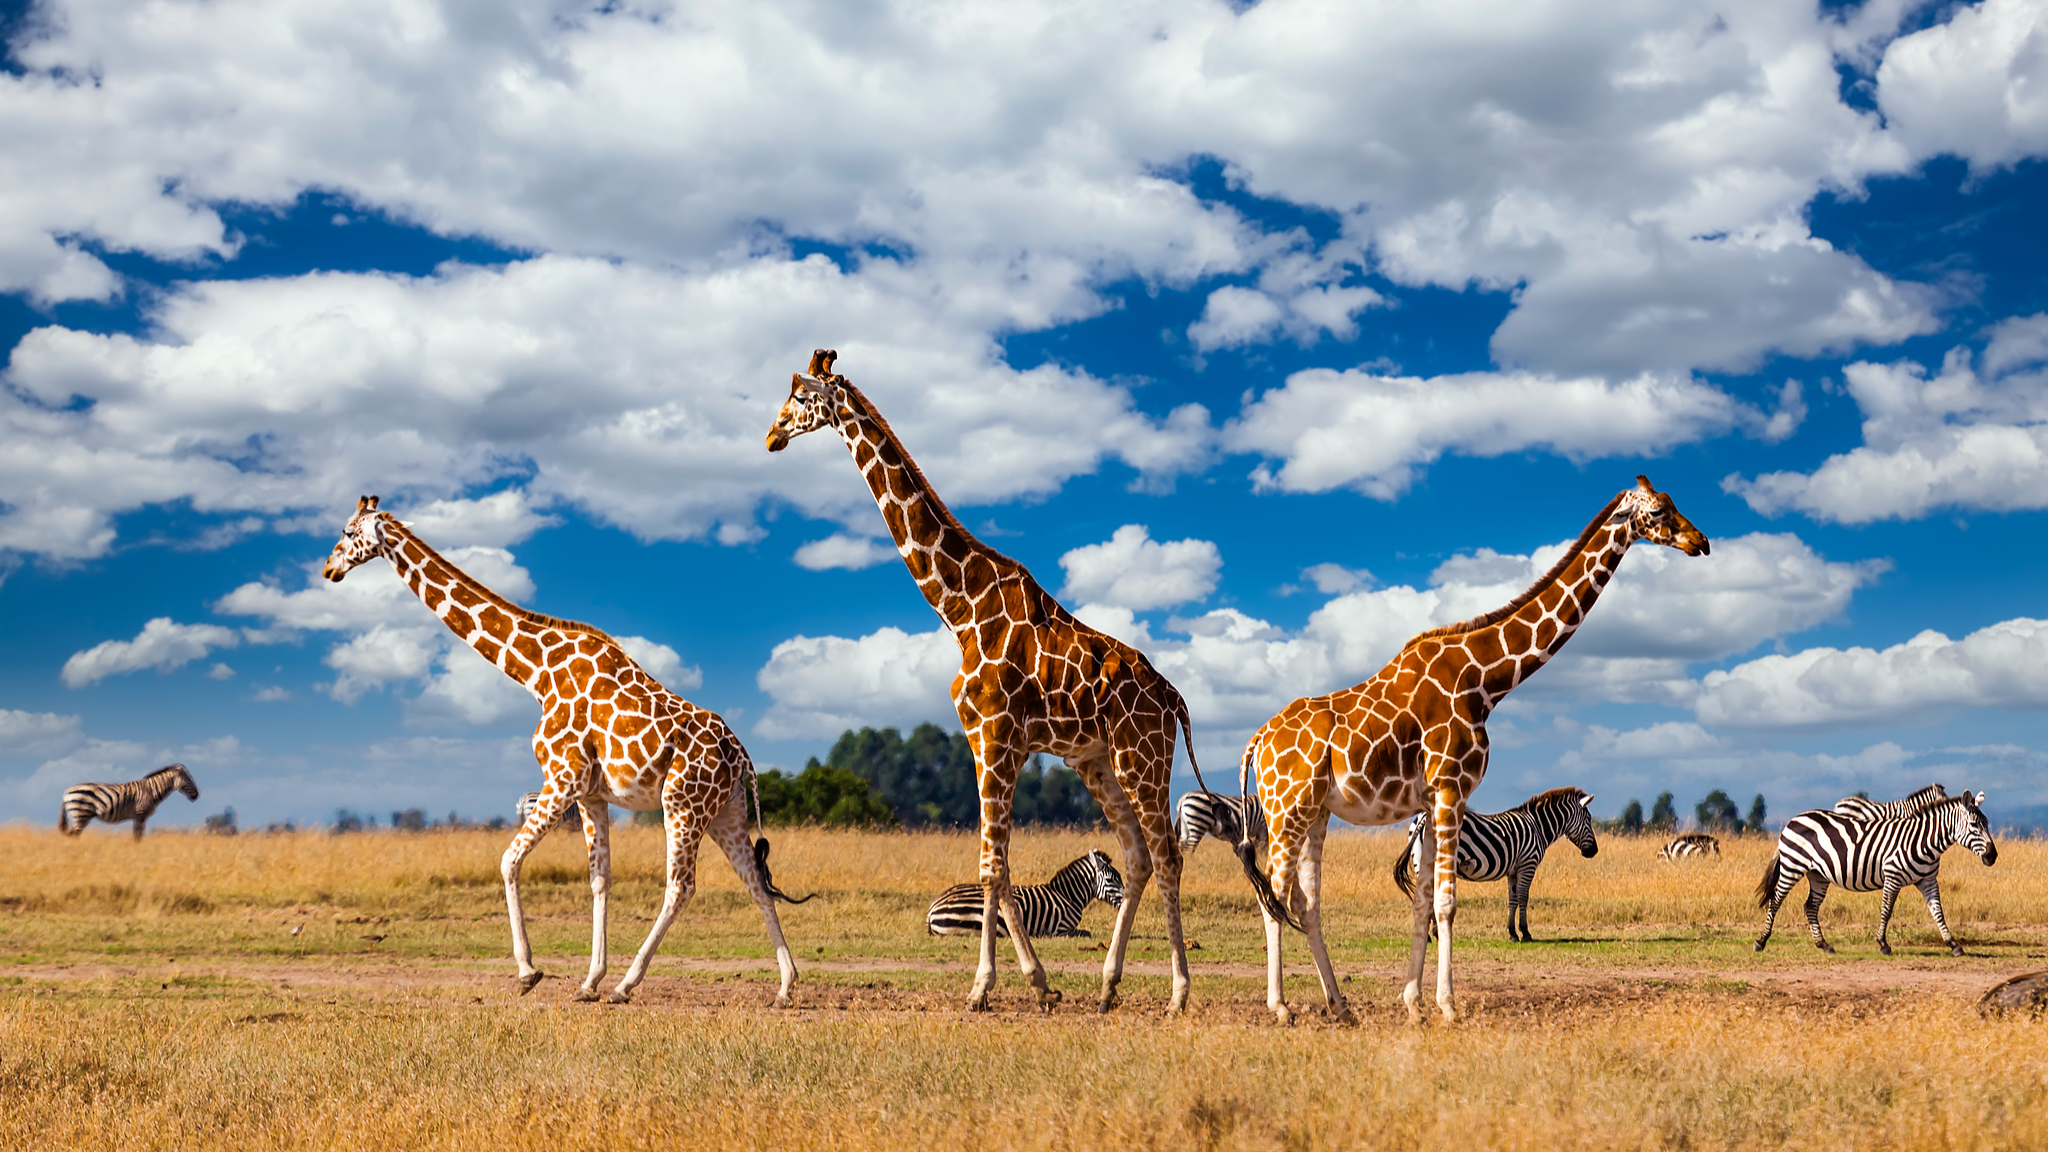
[1643, 483]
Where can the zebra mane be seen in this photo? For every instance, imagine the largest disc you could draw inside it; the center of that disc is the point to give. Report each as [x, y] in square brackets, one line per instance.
[1079, 866]
[166, 768]
[1546, 799]
[1693, 837]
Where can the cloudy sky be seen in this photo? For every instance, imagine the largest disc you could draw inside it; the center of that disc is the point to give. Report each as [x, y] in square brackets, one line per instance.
[1266, 335]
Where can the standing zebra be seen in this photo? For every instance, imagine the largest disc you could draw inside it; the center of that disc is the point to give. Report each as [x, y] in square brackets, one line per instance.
[1510, 845]
[1223, 817]
[1690, 844]
[572, 817]
[113, 803]
[1863, 809]
[1865, 855]
[1050, 909]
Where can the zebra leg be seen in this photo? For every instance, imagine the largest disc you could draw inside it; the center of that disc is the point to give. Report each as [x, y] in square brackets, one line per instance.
[1312, 919]
[139, 822]
[1892, 883]
[1518, 901]
[1816, 891]
[1930, 890]
[597, 839]
[1786, 879]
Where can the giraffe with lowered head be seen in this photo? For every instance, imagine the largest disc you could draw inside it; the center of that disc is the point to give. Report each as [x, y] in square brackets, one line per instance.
[1413, 739]
[1032, 679]
[609, 733]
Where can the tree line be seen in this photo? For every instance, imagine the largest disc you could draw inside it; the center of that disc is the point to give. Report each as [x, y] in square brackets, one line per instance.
[1717, 813]
[877, 777]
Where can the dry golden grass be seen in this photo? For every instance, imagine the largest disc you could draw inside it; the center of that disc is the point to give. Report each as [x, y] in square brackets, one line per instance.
[1647, 1022]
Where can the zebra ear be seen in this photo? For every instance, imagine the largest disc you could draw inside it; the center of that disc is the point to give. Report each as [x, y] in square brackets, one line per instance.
[1586, 800]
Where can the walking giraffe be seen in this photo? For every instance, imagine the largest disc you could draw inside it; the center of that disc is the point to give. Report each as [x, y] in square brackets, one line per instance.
[1413, 739]
[1032, 679]
[609, 733]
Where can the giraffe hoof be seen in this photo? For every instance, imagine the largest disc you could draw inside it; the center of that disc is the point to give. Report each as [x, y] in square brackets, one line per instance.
[1048, 999]
[1344, 1015]
[784, 1000]
[978, 1003]
[527, 981]
[586, 995]
[1283, 1015]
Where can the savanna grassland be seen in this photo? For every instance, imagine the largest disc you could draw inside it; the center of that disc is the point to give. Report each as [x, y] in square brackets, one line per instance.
[313, 990]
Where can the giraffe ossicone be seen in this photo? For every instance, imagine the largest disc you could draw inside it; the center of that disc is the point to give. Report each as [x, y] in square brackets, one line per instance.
[609, 733]
[1032, 679]
[1413, 739]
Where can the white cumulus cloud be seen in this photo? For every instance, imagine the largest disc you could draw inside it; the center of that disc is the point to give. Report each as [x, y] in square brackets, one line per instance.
[823, 685]
[1975, 85]
[163, 644]
[841, 550]
[1131, 570]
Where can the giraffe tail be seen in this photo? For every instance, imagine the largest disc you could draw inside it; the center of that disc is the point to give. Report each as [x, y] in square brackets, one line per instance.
[1768, 886]
[731, 745]
[1247, 854]
[1187, 731]
[768, 879]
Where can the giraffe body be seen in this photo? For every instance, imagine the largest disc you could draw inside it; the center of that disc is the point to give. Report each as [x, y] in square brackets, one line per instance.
[609, 733]
[1413, 739]
[1032, 679]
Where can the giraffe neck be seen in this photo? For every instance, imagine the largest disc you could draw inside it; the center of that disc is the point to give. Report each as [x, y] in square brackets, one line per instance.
[951, 567]
[500, 631]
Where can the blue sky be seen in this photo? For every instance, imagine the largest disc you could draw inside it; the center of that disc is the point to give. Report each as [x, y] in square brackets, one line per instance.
[1264, 337]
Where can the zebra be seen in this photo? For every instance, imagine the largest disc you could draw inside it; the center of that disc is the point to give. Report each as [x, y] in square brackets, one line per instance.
[572, 818]
[1223, 817]
[1050, 909]
[1510, 845]
[1690, 844]
[113, 803]
[1866, 855]
[1863, 809]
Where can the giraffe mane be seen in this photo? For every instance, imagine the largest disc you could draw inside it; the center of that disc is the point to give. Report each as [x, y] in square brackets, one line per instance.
[491, 594]
[1520, 602]
[1006, 567]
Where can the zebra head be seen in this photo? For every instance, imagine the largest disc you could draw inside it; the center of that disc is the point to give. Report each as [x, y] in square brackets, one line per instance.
[184, 781]
[1972, 830]
[1109, 883]
[1579, 826]
[362, 538]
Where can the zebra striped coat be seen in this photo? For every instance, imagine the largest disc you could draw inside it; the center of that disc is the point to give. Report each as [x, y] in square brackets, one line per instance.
[572, 818]
[1510, 845]
[1690, 844]
[1863, 809]
[1050, 909]
[1223, 817]
[1867, 855]
[113, 803]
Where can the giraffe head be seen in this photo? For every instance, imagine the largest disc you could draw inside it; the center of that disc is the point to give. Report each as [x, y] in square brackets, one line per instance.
[361, 539]
[816, 400]
[1653, 517]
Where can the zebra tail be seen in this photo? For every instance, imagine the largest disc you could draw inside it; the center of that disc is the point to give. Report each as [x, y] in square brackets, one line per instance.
[1247, 855]
[1768, 886]
[1403, 879]
[64, 819]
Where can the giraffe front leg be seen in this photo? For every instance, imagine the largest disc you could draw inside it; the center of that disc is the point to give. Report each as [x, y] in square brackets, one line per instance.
[1312, 921]
[553, 802]
[1283, 861]
[1930, 891]
[682, 832]
[1450, 814]
[597, 839]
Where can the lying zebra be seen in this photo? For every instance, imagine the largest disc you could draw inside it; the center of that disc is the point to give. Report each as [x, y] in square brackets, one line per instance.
[1223, 817]
[1863, 809]
[1866, 855]
[1050, 909]
[113, 803]
[1690, 844]
[1510, 845]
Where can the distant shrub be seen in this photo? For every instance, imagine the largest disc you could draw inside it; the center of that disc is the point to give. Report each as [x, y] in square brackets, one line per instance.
[222, 824]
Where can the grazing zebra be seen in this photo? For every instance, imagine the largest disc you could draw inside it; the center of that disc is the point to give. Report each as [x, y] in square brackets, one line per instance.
[1050, 909]
[1690, 844]
[1866, 855]
[1863, 809]
[113, 803]
[1223, 817]
[572, 818]
[1510, 845]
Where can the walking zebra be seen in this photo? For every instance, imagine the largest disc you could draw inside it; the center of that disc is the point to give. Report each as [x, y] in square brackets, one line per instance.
[1510, 845]
[113, 803]
[1863, 809]
[1050, 909]
[572, 817]
[1690, 844]
[1866, 855]
[1223, 817]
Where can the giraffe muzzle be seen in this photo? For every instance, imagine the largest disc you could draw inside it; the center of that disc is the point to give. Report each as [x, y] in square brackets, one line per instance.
[777, 439]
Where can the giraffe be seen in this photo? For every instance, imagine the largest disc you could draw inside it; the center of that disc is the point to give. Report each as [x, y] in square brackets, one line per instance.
[1032, 679]
[1413, 739]
[608, 734]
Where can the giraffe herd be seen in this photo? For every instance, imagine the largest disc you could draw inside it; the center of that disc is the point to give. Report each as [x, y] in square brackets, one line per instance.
[1412, 739]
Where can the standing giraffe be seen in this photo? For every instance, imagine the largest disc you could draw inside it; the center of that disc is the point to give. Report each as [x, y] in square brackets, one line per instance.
[1032, 679]
[1413, 739]
[608, 734]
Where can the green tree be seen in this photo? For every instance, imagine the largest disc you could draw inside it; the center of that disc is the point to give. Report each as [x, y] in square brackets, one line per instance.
[1717, 813]
[821, 794]
[1756, 814]
[929, 779]
[1631, 820]
[1663, 817]
[410, 820]
[1053, 794]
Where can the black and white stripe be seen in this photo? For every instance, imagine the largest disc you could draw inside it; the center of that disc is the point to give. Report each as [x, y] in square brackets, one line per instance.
[1868, 855]
[1509, 846]
[1863, 809]
[572, 817]
[1690, 844]
[113, 803]
[1223, 817]
[1050, 909]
